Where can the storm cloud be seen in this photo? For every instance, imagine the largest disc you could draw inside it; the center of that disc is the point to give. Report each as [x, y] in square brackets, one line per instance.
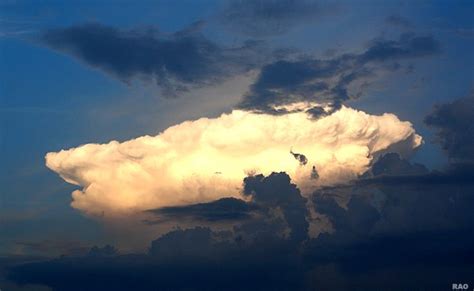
[454, 126]
[332, 81]
[383, 235]
[388, 202]
[175, 61]
[276, 190]
[224, 209]
[206, 159]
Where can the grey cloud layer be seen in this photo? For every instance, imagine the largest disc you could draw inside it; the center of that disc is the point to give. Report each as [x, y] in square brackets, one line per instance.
[225, 209]
[332, 80]
[268, 196]
[383, 231]
[176, 61]
[186, 59]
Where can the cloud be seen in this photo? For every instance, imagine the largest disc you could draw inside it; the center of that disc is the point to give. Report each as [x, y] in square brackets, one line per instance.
[412, 232]
[454, 174]
[387, 200]
[272, 17]
[381, 233]
[357, 218]
[105, 251]
[224, 209]
[189, 243]
[56, 247]
[184, 60]
[22, 287]
[276, 190]
[275, 204]
[331, 81]
[177, 62]
[207, 159]
[454, 125]
[391, 164]
[194, 254]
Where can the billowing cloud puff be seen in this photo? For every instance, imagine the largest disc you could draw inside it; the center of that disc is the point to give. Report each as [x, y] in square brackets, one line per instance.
[207, 159]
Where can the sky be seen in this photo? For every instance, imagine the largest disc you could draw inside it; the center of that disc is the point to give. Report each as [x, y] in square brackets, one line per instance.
[317, 141]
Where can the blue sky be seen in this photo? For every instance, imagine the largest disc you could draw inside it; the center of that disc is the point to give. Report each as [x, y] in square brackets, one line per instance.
[52, 101]
[243, 200]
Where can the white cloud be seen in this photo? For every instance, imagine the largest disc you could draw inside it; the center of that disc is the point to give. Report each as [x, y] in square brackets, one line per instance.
[207, 159]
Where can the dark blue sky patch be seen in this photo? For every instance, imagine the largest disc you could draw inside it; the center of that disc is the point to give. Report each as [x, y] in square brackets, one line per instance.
[262, 18]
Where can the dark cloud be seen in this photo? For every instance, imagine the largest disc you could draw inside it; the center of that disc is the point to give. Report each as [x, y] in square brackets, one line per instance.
[272, 17]
[187, 59]
[192, 259]
[454, 174]
[399, 223]
[146, 274]
[358, 218]
[56, 247]
[454, 125]
[276, 210]
[276, 190]
[392, 164]
[419, 260]
[276, 205]
[14, 287]
[177, 61]
[105, 251]
[195, 243]
[220, 210]
[332, 80]
[408, 46]
[405, 197]
[385, 236]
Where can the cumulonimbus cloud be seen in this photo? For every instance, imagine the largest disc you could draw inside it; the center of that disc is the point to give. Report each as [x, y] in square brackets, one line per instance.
[207, 159]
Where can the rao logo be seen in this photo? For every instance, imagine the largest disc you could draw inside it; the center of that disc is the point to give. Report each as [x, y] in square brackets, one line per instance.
[460, 286]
